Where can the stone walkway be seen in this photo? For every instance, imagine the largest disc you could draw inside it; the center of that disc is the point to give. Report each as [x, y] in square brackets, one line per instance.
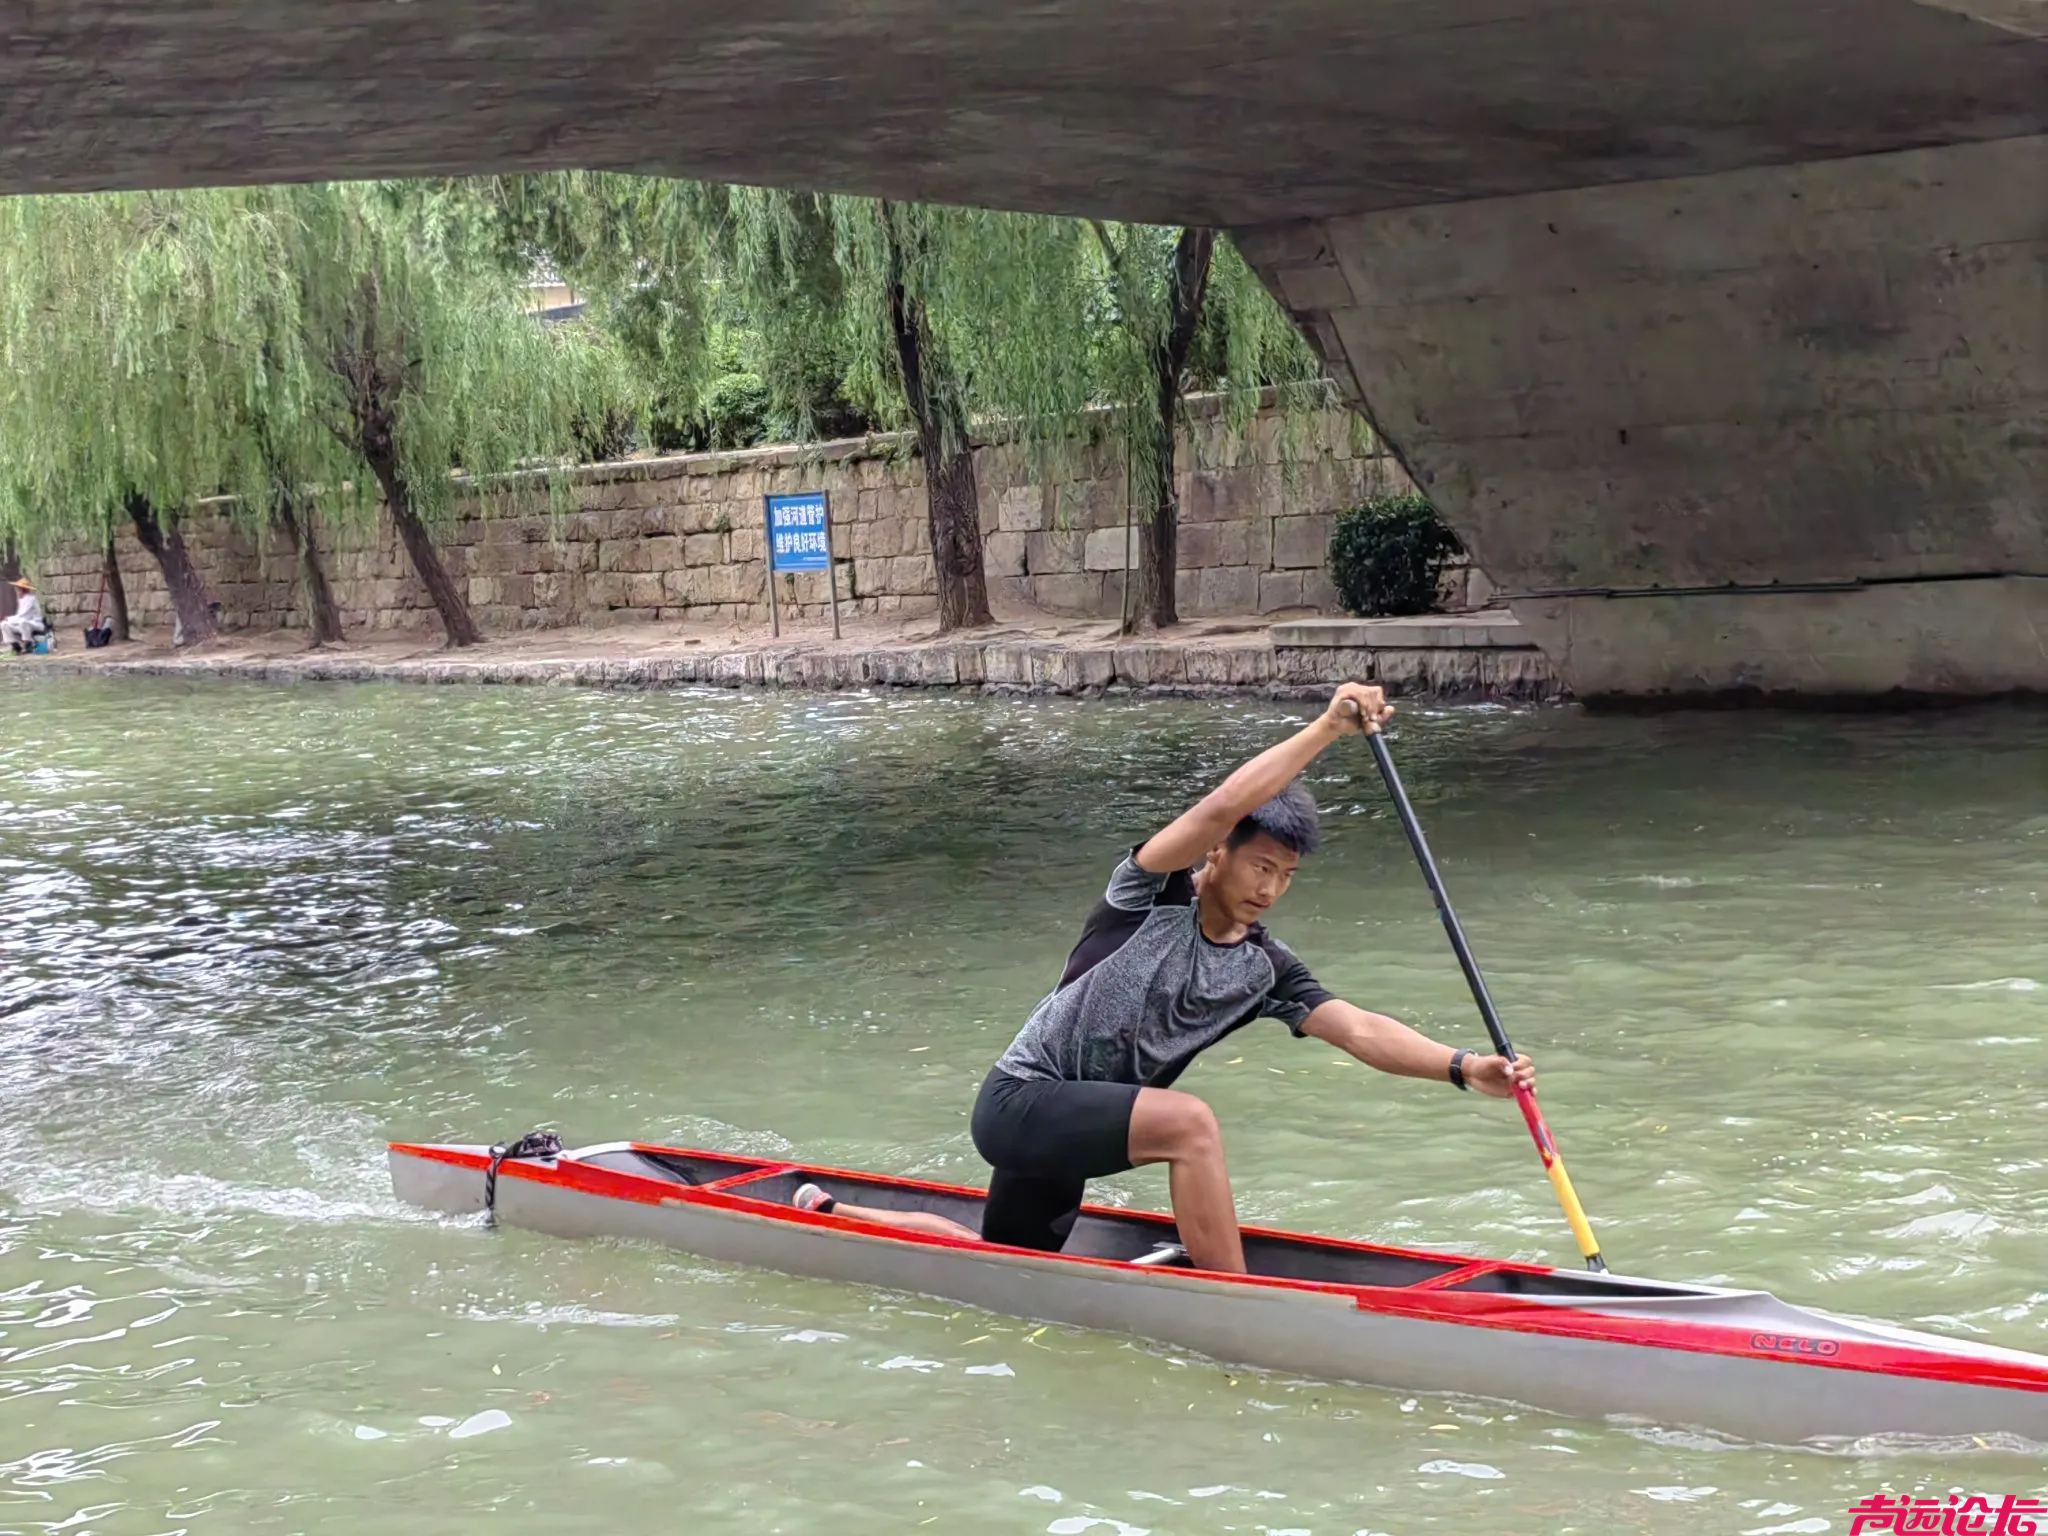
[1452, 656]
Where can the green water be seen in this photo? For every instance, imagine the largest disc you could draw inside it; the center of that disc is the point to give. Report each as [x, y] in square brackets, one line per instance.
[1786, 980]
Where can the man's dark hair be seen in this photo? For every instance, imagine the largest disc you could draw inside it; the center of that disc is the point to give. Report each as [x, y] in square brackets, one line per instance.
[1289, 818]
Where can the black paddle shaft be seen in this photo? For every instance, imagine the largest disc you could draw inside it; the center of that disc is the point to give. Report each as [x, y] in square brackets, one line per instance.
[1378, 742]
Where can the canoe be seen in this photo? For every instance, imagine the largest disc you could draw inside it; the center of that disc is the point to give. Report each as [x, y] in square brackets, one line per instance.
[1742, 1363]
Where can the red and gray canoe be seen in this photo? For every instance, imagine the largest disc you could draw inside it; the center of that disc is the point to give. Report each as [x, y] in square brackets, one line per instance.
[1739, 1362]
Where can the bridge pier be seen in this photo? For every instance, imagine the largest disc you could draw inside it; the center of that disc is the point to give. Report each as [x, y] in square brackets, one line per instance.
[1781, 429]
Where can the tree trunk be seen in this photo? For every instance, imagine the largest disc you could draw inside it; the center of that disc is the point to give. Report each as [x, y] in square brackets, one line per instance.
[191, 603]
[375, 377]
[10, 572]
[323, 616]
[117, 594]
[952, 498]
[955, 505]
[419, 546]
[1156, 605]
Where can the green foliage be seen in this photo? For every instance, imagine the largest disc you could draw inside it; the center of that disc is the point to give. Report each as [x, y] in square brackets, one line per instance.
[735, 411]
[144, 342]
[416, 335]
[181, 345]
[1387, 554]
[1032, 320]
[1246, 348]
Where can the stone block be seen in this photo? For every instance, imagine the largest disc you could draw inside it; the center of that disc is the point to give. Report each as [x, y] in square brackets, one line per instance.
[842, 540]
[1231, 543]
[1003, 554]
[1144, 664]
[1069, 591]
[1208, 498]
[742, 584]
[1228, 589]
[1320, 593]
[704, 549]
[1099, 503]
[1007, 664]
[1279, 589]
[1053, 553]
[702, 516]
[1109, 549]
[908, 505]
[745, 545]
[877, 540]
[1232, 666]
[559, 592]
[870, 577]
[611, 618]
[1022, 509]
[1197, 546]
[1302, 543]
[606, 589]
[622, 555]
[911, 573]
[564, 557]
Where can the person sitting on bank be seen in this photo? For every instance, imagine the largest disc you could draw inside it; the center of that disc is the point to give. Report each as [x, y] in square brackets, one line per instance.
[26, 625]
[1174, 958]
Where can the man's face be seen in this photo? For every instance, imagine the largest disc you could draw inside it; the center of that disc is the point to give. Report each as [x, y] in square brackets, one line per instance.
[1249, 878]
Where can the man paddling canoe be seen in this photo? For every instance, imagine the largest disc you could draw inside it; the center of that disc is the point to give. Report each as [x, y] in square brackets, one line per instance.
[1173, 958]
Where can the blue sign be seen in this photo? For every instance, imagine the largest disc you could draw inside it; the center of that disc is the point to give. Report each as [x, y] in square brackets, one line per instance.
[796, 533]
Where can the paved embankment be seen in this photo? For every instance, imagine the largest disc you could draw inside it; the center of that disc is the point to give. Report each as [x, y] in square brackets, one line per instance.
[1459, 656]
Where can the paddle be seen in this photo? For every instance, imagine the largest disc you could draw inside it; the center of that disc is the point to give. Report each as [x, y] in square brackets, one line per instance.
[1560, 1181]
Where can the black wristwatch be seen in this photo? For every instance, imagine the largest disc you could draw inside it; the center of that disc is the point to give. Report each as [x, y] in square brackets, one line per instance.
[1458, 1071]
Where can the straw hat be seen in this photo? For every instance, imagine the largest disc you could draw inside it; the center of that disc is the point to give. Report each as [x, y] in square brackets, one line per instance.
[24, 583]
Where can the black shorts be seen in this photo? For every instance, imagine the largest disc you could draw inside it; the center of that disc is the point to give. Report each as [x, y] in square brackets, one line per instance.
[1046, 1140]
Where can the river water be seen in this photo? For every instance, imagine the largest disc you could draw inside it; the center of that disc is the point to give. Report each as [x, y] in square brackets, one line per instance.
[1786, 980]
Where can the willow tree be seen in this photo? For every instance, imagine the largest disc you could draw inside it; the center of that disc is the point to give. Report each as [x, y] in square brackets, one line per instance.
[132, 361]
[426, 362]
[931, 318]
[1182, 312]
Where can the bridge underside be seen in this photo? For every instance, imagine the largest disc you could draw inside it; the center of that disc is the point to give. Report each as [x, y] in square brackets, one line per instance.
[1720, 332]
[1781, 429]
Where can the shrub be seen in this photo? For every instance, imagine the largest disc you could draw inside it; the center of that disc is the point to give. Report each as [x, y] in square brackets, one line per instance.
[731, 413]
[1387, 554]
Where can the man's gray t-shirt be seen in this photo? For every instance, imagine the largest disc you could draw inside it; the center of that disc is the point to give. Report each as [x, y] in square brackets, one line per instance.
[1146, 991]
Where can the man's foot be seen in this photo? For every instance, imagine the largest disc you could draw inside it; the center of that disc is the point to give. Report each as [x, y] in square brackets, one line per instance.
[813, 1199]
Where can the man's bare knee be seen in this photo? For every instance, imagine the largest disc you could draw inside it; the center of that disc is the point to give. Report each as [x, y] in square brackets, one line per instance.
[1170, 1127]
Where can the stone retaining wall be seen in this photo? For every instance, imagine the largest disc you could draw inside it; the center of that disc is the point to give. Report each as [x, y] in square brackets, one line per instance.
[1251, 666]
[681, 537]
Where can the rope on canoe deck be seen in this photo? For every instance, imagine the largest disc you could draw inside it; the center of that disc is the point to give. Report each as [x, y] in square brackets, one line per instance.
[532, 1144]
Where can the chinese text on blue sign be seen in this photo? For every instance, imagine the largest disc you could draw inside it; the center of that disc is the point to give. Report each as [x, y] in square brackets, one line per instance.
[796, 532]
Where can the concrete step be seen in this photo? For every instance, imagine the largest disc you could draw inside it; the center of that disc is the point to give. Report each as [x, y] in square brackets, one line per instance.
[1488, 629]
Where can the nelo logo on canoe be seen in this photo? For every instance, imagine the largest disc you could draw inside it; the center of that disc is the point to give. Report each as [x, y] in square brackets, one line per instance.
[1793, 1344]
